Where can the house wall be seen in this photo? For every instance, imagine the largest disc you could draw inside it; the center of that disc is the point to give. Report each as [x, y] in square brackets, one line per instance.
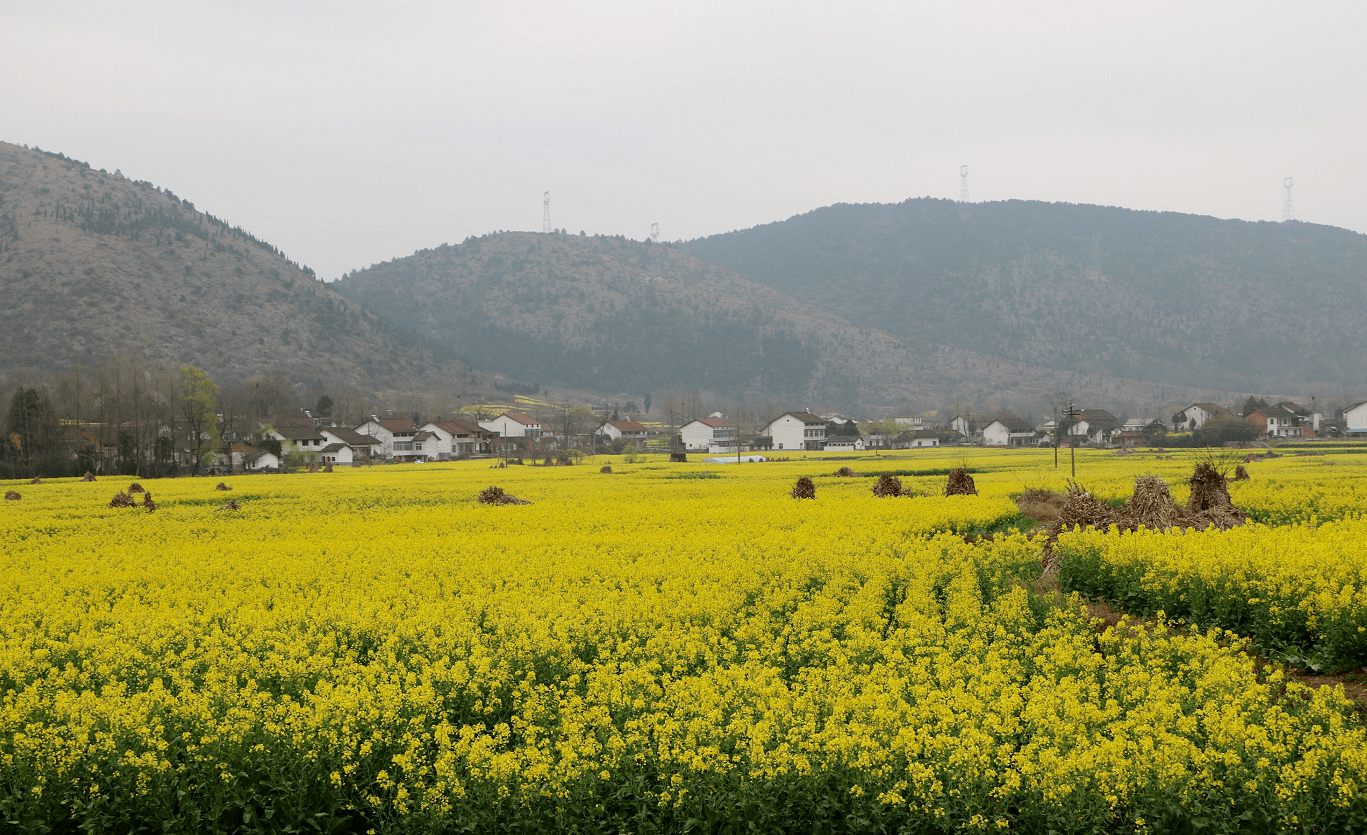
[699, 436]
[509, 428]
[789, 433]
[1355, 419]
[996, 434]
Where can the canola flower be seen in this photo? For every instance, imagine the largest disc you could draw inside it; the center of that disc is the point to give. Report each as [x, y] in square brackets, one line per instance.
[657, 648]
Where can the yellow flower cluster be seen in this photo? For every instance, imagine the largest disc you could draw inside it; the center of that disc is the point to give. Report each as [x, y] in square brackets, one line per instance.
[1300, 591]
[669, 646]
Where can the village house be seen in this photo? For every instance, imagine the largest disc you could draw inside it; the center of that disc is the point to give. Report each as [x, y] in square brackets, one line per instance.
[1275, 422]
[916, 439]
[361, 446]
[513, 425]
[623, 430]
[797, 431]
[970, 425]
[261, 460]
[1094, 426]
[709, 433]
[1008, 430]
[1355, 419]
[1196, 415]
[393, 435]
[304, 440]
[845, 443]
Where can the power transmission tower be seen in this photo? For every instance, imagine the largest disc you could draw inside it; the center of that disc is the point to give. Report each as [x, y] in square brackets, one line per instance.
[654, 231]
[546, 213]
[1288, 210]
[965, 209]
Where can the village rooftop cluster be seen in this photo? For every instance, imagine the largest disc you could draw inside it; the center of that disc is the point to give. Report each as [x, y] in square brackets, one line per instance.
[305, 440]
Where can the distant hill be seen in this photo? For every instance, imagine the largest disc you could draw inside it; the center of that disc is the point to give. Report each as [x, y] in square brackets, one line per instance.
[92, 263]
[611, 315]
[1178, 298]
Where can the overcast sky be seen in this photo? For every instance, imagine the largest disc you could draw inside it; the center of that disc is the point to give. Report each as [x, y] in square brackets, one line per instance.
[349, 133]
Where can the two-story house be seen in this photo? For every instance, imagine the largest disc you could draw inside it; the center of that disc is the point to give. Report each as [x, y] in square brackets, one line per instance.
[513, 425]
[623, 430]
[797, 431]
[709, 433]
[394, 436]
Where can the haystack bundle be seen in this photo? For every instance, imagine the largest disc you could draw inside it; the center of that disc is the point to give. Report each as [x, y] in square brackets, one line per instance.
[147, 503]
[36, 480]
[222, 486]
[122, 499]
[89, 476]
[804, 489]
[888, 486]
[1152, 506]
[1208, 489]
[605, 469]
[229, 505]
[1240, 474]
[846, 472]
[135, 488]
[495, 495]
[11, 495]
[960, 483]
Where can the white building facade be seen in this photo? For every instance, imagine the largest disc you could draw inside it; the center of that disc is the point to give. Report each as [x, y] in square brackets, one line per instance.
[797, 431]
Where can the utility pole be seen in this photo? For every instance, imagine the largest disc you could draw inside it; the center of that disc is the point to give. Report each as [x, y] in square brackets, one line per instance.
[546, 213]
[965, 212]
[1072, 414]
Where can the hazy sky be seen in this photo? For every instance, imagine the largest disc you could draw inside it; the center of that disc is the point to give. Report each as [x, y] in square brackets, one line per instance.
[349, 133]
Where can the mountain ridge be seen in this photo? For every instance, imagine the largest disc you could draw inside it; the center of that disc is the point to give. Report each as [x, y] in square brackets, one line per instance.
[1183, 299]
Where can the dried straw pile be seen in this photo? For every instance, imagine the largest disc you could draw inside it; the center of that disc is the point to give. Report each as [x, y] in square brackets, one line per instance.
[222, 486]
[960, 483]
[1208, 488]
[1151, 507]
[122, 499]
[11, 495]
[605, 469]
[495, 495]
[36, 480]
[1240, 474]
[135, 488]
[804, 489]
[229, 505]
[89, 476]
[888, 486]
[846, 472]
[147, 503]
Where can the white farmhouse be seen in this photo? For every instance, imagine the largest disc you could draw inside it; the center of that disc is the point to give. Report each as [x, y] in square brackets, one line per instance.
[845, 443]
[304, 440]
[1008, 430]
[360, 445]
[797, 431]
[1355, 419]
[513, 425]
[708, 433]
[395, 436]
[623, 430]
[1196, 415]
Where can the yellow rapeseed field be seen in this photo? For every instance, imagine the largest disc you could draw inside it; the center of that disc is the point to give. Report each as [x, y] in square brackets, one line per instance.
[665, 648]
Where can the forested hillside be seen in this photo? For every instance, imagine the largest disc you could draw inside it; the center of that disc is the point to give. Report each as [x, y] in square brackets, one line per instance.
[1162, 296]
[611, 315]
[93, 264]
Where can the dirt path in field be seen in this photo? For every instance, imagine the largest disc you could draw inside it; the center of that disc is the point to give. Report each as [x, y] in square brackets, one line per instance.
[1044, 507]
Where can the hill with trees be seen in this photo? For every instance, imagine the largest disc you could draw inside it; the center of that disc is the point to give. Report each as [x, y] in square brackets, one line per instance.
[610, 315]
[1176, 298]
[93, 264]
